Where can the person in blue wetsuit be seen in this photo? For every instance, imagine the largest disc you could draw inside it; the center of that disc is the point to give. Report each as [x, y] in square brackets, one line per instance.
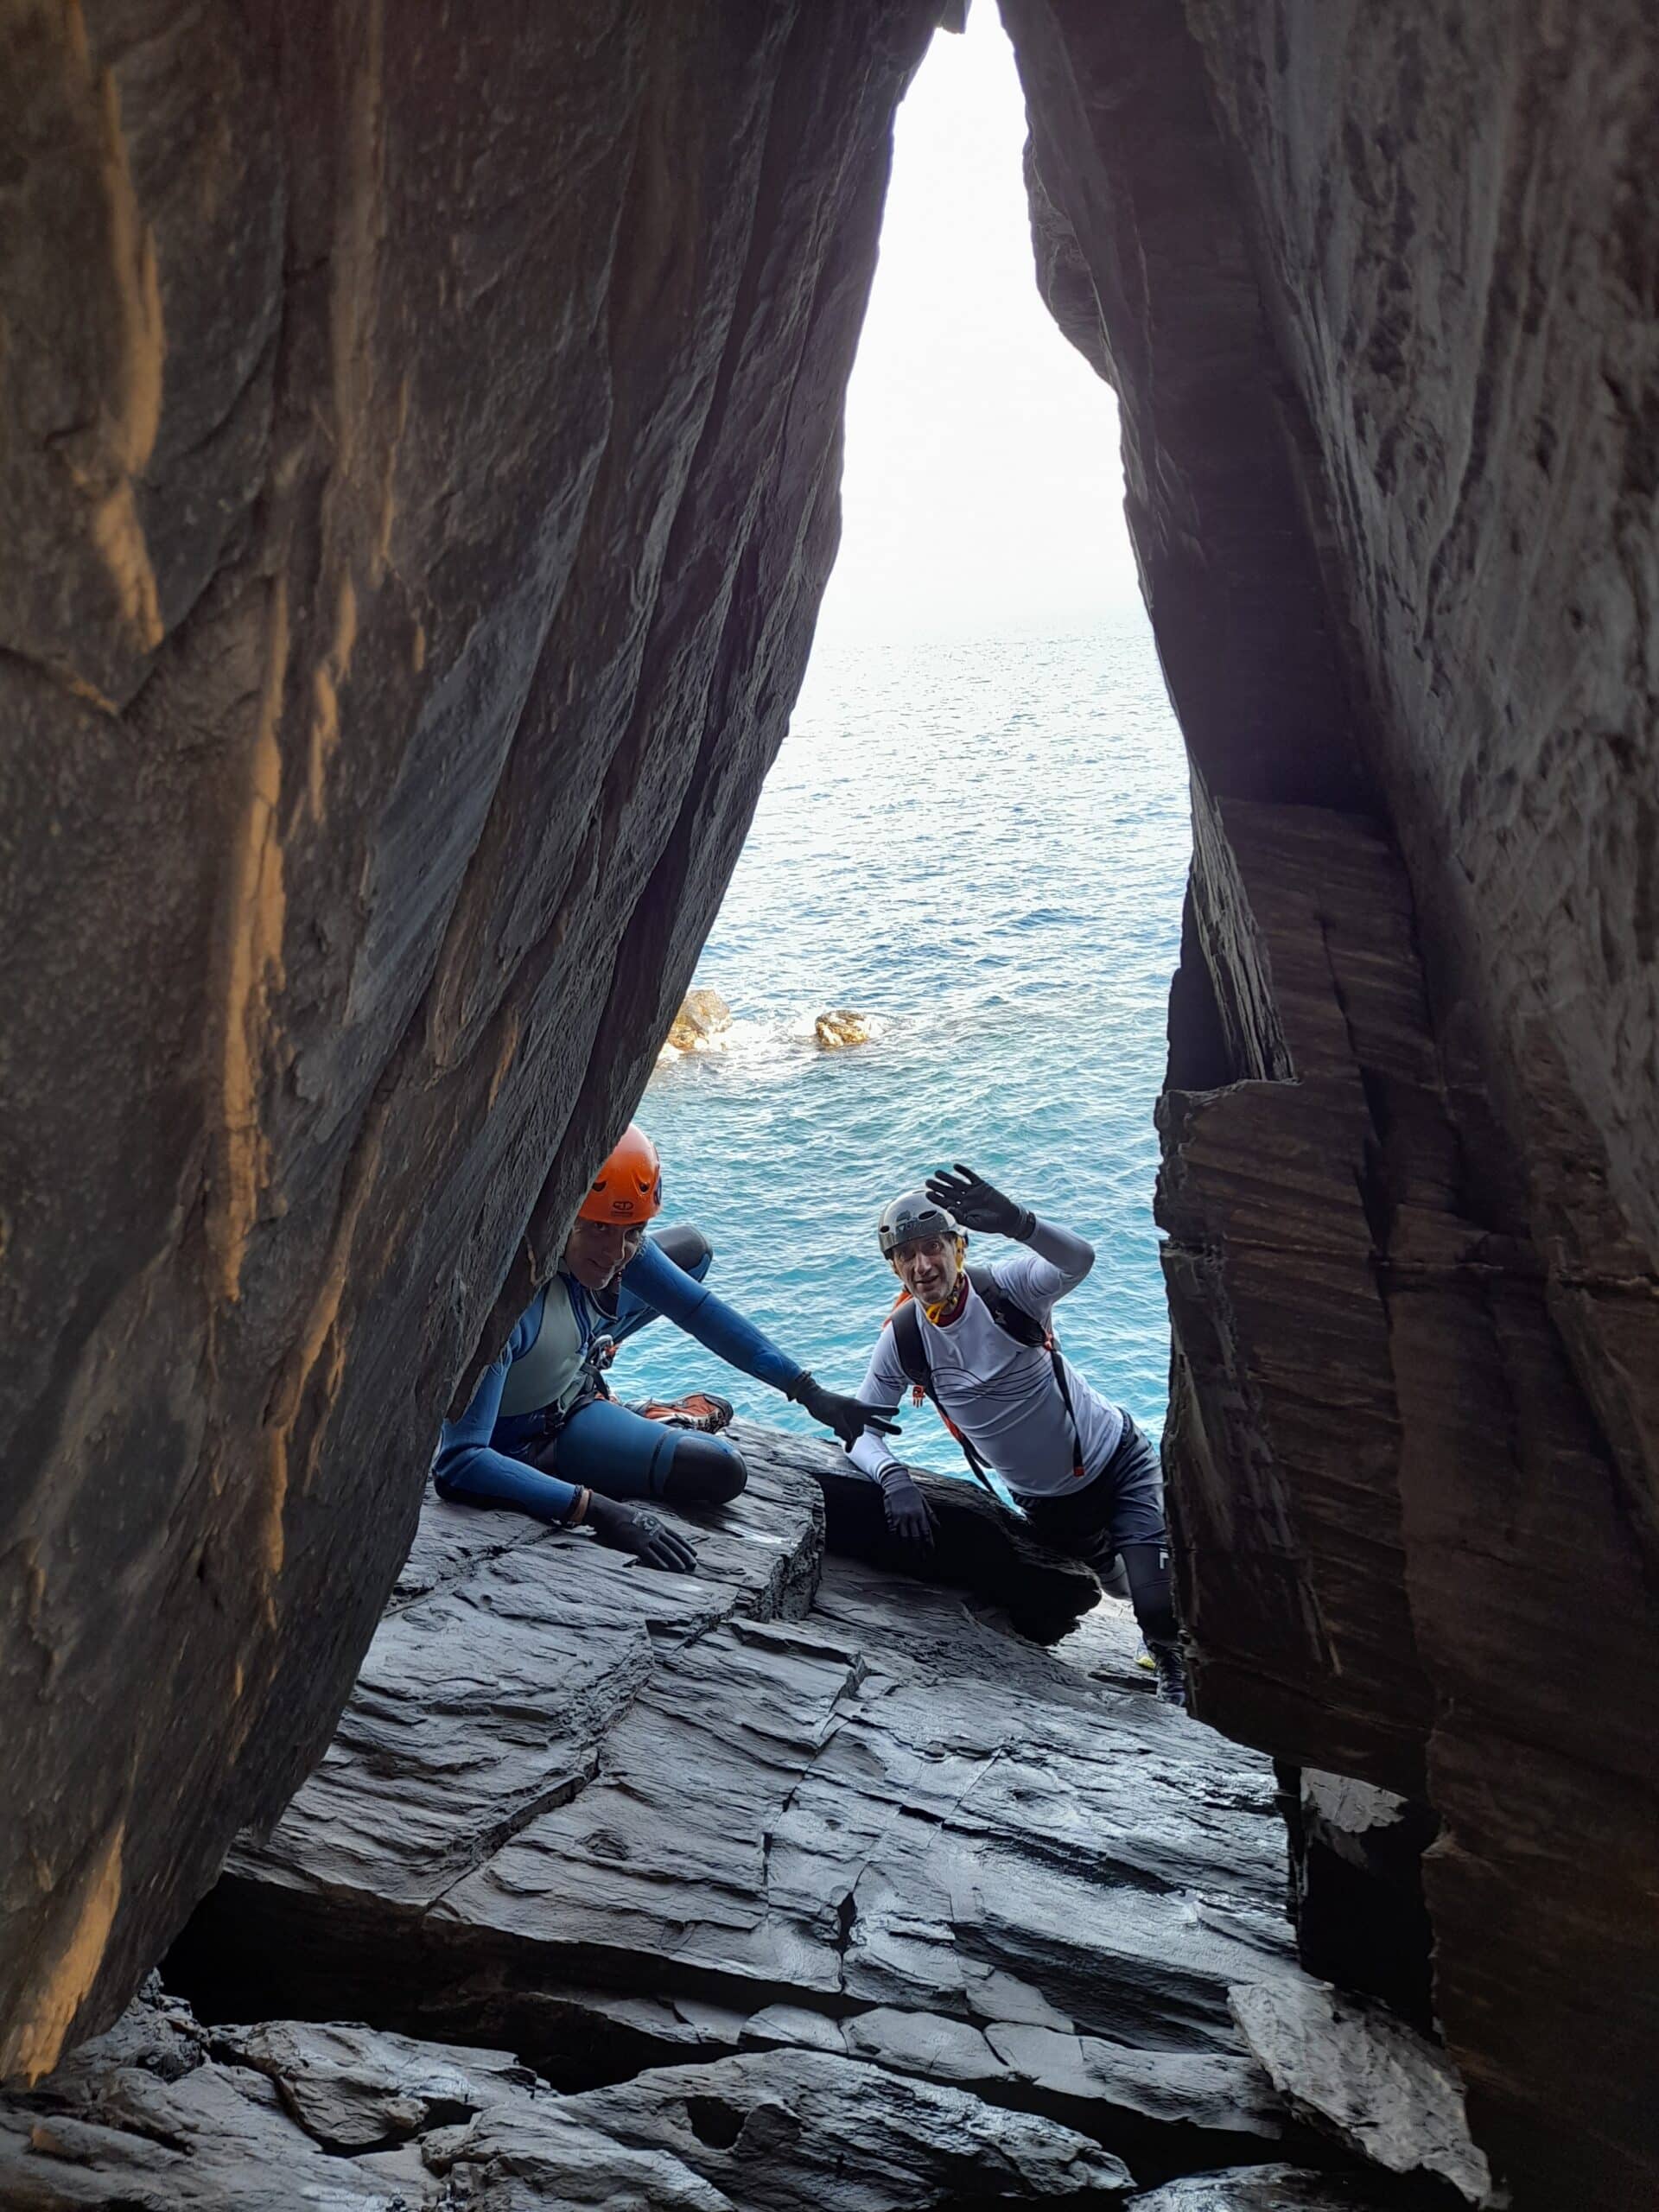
[541, 1433]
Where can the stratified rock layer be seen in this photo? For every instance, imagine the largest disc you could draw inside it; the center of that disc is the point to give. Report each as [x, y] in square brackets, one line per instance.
[1377, 289]
[797, 1883]
[160, 2117]
[419, 445]
[614, 1820]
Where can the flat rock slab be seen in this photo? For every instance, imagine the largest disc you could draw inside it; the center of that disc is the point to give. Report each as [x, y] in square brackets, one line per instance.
[613, 1819]
[509, 1651]
[1269, 2188]
[1352, 2069]
[163, 2116]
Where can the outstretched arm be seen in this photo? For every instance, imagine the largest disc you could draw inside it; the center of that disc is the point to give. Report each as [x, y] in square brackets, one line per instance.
[651, 1276]
[691, 1305]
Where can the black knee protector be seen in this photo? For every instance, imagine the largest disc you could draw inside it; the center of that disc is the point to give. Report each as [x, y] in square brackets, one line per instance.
[1147, 1569]
[687, 1247]
[704, 1471]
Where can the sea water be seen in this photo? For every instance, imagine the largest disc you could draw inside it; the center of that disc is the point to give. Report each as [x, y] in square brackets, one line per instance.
[982, 847]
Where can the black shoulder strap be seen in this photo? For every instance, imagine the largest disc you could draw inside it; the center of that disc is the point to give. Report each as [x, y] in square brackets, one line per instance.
[1009, 1316]
[907, 1328]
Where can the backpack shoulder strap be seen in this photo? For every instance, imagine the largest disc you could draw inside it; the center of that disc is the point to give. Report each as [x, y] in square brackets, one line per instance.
[905, 1324]
[1008, 1313]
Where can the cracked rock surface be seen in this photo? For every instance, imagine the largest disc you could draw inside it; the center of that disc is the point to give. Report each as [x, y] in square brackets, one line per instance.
[161, 2116]
[800, 1875]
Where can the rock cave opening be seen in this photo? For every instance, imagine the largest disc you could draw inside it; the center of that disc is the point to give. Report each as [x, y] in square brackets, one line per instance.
[422, 455]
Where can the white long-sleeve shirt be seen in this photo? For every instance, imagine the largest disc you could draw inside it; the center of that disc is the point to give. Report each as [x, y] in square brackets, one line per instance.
[1001, 1394]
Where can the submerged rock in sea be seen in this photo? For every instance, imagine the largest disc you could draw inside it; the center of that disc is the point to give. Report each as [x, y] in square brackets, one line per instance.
[842, 1026]
[802, 1876]
[700, 1023]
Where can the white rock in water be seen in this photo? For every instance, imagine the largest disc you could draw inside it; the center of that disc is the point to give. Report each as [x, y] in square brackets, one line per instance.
[703, 1017]
[842, 1027]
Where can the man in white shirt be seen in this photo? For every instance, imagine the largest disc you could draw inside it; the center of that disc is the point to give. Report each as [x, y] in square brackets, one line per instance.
[979, 1345]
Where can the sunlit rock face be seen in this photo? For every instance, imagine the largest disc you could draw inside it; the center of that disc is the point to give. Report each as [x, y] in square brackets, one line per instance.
[1377, 289]
[420, 445]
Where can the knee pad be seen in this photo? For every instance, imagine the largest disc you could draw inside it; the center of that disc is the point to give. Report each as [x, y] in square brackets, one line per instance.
[704, 1471]
[686, 1246]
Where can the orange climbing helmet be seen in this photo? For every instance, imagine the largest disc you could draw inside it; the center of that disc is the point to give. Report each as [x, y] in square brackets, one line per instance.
[629, 1187]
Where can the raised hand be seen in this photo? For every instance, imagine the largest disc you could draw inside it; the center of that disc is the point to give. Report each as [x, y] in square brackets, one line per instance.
[977, 1204]
[848, 1417]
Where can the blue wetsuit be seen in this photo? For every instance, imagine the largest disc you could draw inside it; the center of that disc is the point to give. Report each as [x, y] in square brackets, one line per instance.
[483, 1455]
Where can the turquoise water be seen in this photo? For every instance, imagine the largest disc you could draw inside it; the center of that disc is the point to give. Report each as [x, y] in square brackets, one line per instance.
[984, 848]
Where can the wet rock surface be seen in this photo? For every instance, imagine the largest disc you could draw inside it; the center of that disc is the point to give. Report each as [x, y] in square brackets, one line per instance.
[736, 1865]
[700, 1024]
[842, 1027]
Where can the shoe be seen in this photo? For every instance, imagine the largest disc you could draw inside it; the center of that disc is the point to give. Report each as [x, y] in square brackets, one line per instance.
[1172, 1673]
[698, 1409]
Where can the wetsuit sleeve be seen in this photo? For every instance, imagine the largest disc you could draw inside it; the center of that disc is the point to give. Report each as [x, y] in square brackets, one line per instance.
[1053, 1262]
[882, 1388]
[652, 1277]
[465, 1466]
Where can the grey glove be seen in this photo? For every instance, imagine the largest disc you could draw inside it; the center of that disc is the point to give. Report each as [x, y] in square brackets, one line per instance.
[908, 1516]
[848, 1417]
[977, 1205]
[652, 1542]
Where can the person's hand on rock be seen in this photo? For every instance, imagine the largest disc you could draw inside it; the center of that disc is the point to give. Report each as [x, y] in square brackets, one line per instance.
[649, 1539]
[909, 1517]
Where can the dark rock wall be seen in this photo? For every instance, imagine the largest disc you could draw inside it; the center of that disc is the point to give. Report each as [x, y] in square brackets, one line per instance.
[1380, 291]
[418, 466]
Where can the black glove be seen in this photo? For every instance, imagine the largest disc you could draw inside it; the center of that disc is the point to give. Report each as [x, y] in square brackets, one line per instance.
[848, 1417]
[906, 1510]
[625, 1529]
[976, 1205]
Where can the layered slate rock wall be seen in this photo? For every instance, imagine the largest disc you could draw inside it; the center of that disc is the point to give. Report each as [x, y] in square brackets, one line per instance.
[1378, 290]
[419, 444]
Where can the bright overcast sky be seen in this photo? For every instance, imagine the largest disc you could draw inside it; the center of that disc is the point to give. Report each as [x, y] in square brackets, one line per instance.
[983, 494]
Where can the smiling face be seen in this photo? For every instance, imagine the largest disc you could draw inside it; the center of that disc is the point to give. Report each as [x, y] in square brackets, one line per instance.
[928, 1267]
[596, 1252]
